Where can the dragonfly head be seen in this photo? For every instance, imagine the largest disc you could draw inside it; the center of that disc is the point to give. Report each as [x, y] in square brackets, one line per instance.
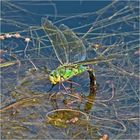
[54, 77]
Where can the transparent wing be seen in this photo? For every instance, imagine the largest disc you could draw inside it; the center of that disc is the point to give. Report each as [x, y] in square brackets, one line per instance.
[57, 39]
[76, 50]
[101, 59]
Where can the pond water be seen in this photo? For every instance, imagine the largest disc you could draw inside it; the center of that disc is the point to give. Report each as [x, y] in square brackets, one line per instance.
[79, 108]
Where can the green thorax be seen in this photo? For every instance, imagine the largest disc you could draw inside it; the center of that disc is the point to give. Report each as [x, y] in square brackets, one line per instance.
[65, 72]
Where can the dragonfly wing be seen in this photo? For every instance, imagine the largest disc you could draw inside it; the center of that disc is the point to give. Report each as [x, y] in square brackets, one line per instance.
[57, 39]
[101, 59]
[76, 50]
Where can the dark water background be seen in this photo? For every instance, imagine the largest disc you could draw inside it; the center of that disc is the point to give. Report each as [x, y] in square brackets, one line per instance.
[24, 97]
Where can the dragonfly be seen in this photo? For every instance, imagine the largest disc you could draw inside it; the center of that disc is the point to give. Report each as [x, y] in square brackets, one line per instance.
[70, 52]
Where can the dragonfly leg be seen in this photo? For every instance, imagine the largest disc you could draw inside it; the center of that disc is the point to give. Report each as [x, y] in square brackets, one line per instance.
[51, 87]
[71, 85]
[59, 86]
[71, 82]
[65, 88]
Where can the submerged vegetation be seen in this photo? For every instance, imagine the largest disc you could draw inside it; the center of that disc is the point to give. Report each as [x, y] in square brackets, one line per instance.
[71, 75]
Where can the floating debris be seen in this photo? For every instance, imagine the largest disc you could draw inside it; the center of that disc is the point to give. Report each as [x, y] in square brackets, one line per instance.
[7, 64]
